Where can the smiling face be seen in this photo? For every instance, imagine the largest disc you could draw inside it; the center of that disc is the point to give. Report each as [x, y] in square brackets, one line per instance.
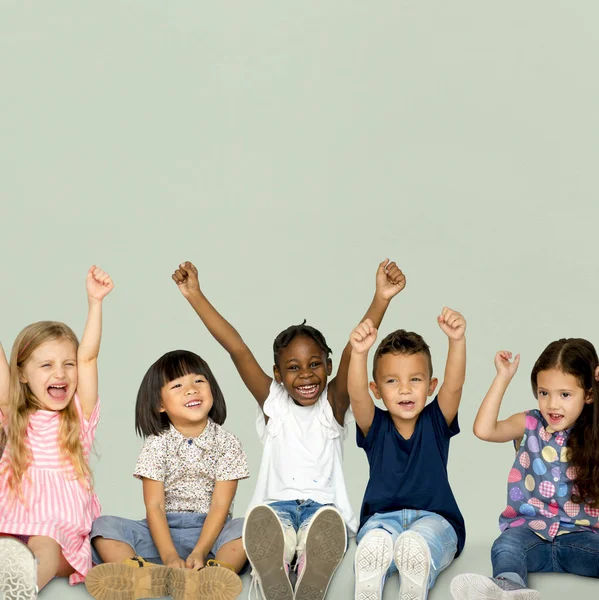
[51, 373]
[561, 398]
[187, 401]
[403, 382]
[303, 368]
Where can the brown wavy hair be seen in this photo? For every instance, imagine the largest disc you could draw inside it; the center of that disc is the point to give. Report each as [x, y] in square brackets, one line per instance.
[578, 357]
[22, 403]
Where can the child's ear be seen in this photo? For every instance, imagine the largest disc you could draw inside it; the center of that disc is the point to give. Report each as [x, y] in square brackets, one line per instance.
[22, 377]
[276, 373]
[375, 390]
[432, 386]
[329, 366]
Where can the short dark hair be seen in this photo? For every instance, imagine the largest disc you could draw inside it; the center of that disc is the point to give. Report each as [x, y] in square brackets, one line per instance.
[402, 342]
[285, 338]
[170, 366]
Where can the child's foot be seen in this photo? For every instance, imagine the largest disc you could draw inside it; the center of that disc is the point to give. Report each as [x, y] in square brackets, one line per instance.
[18, 570]
[215, 581]
[372, 560]
[264, 543]
[326, 541]
[478, 587]
[413, 561]
[130, 580]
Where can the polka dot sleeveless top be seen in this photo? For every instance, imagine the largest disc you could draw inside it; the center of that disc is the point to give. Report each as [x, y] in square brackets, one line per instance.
[540, 485]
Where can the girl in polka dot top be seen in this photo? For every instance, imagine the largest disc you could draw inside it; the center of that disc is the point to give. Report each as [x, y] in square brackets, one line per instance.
[551, 521]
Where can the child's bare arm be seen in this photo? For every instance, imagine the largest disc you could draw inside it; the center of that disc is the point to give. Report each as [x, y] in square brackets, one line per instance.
[156, 515]
[99, 285]
[389, 282]
[254, 377]
[453, 325]
[487, 425]
[362, 338]
[222, 497]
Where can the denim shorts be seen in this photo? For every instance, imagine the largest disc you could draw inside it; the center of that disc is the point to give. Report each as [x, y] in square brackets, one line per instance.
[185, 532]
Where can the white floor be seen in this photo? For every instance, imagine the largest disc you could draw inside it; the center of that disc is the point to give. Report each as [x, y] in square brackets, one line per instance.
[475, 558]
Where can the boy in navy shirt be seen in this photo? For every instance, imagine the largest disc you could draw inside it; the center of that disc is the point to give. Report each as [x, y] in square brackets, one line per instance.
[410, 521]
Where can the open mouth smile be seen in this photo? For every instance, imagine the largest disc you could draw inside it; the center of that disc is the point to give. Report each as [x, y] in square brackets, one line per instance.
[307, 392]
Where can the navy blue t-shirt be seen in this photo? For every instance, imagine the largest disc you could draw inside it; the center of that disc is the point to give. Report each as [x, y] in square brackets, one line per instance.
[411, 473]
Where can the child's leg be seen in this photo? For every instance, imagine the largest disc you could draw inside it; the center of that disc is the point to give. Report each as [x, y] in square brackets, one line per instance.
[112, 551]
[519, 551]
[269, 538]
[441, 542]
[578, 553]
[51, 562]
[233, 554]
[322, 542]
[373, 561]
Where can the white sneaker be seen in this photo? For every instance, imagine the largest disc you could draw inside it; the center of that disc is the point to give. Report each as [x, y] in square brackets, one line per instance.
[264, 543]
[413, 560]
[478, 587]
[371, 563]
[18, 570]
[321, 548]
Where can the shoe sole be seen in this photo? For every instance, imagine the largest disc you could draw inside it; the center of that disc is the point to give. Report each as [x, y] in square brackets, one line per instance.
[18, 570]
[371, 563]
[264, 544]
[470, 586]
[326, 541]
[210, 583]
[114, 581]
[413, 561]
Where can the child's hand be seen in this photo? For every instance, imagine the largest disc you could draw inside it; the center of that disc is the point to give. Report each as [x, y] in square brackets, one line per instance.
[362, 338]
[98, 283]
[186, 277]
[174, 562]
[195, 561]
[504, 367]
[389, 280]
[452, 323]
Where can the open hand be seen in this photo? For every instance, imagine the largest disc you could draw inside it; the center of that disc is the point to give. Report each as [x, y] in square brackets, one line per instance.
[452, 323]
[504, 364]
[362, 338]
[98, 283]
[186, 277]
[389, 280]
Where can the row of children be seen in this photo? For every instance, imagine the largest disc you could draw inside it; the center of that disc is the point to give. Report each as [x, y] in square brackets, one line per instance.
[297, 525]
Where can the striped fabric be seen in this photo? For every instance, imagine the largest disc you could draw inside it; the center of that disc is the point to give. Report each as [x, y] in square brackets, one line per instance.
[55, 504]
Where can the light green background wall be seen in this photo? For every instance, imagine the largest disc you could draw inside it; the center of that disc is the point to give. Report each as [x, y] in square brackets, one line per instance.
[286, 148]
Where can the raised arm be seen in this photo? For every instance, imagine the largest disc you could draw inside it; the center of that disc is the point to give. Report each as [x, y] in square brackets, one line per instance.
[362, 338]
[99, 285]
[389, 282]
[486, 425]
[453, 325]
[4, 383]
[255, 379]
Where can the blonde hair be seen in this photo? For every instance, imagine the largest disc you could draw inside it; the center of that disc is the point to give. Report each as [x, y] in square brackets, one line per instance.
[22, 403]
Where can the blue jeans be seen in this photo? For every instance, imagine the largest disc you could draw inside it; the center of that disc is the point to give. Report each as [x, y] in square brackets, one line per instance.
[440, 536]
[519, 551]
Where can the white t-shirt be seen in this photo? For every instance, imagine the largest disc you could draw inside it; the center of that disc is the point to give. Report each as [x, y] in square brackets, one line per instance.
[303, 453]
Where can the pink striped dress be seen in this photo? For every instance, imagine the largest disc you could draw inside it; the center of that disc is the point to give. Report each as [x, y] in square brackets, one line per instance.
[56, 505]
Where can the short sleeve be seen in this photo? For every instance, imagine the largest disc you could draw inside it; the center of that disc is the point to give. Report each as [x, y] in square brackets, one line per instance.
[366, 441]
[440, 422]
[152, 459]
[87, 425]
[232, 463]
